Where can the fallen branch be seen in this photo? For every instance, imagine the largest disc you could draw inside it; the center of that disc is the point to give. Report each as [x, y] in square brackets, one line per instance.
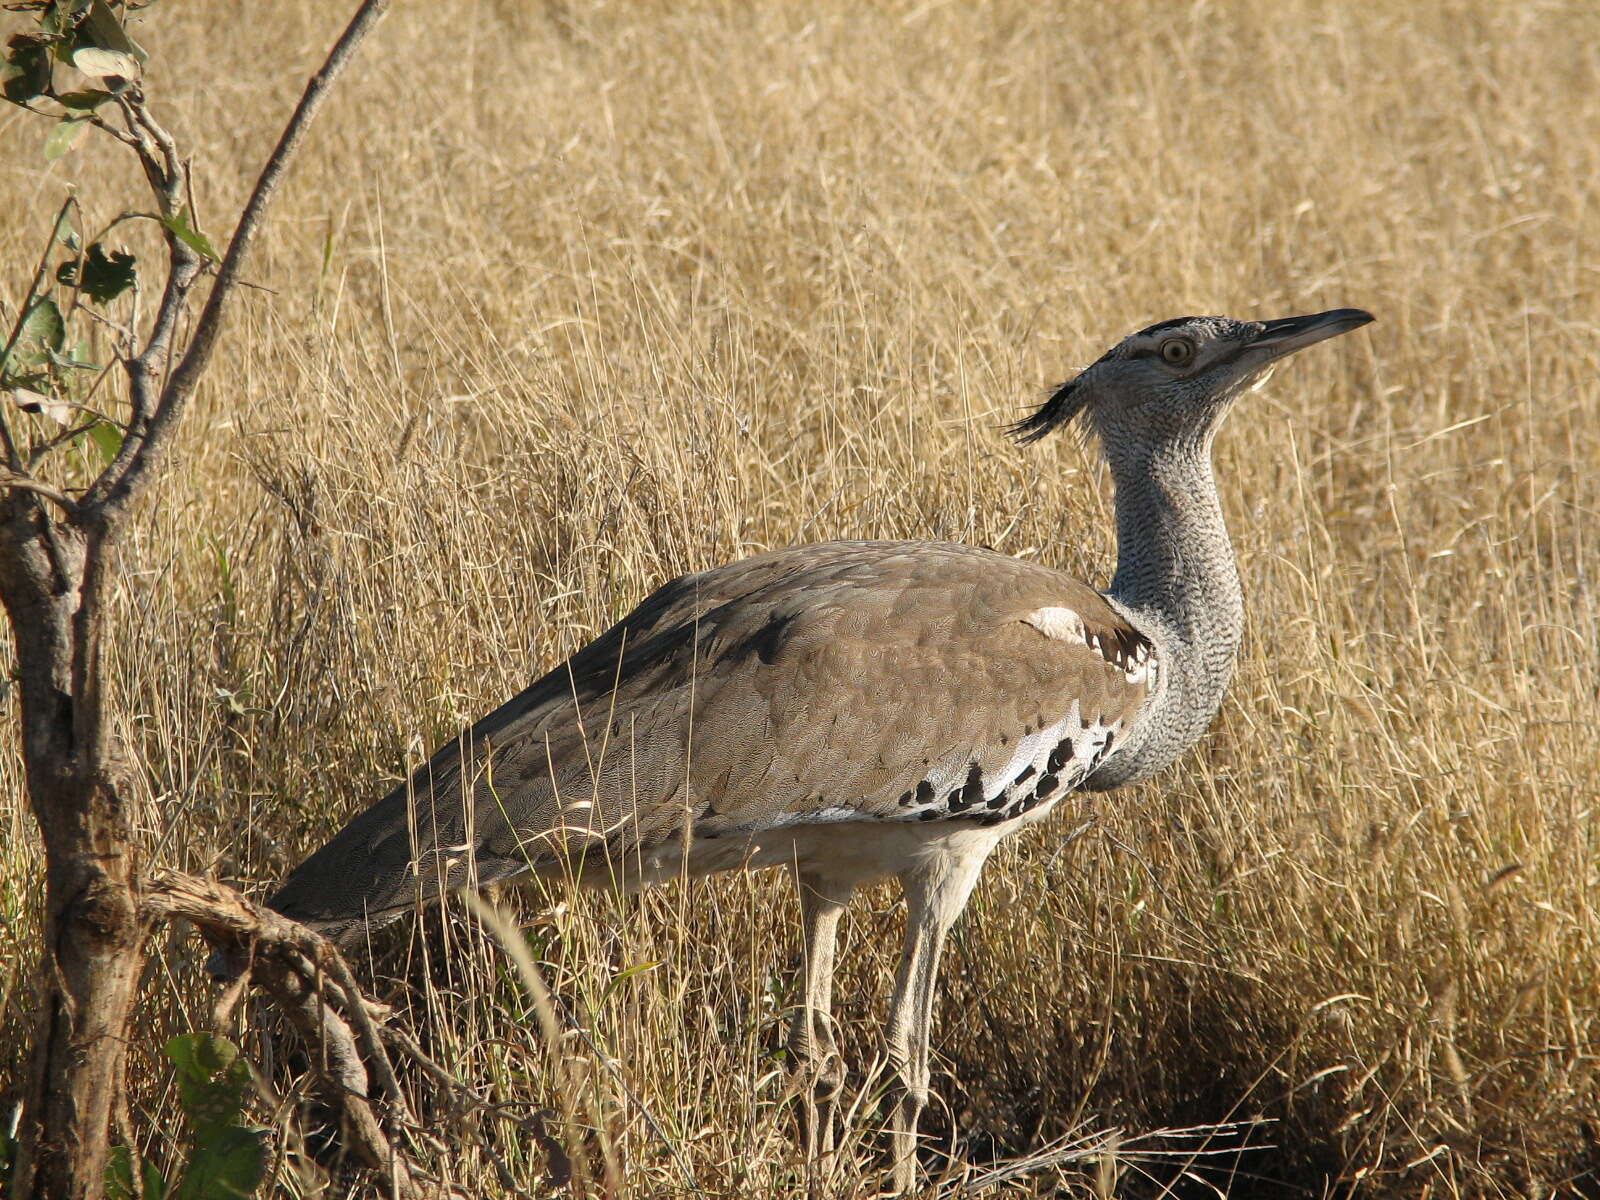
[310, 982]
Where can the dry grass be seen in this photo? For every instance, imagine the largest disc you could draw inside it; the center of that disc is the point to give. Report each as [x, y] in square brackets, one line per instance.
[570, 299]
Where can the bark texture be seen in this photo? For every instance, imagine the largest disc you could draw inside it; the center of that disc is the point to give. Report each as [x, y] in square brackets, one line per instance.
[94, 932]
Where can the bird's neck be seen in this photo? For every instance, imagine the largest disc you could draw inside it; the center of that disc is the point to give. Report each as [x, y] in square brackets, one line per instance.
[1177, 579]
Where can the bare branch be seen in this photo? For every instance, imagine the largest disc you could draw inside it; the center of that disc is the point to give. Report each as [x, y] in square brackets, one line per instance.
[371, 1042]
[175, 178]
[122, 135]
[146, 444]
[145, 367]
[27, 483]
[98, 909]
[224, 912]
[323, 1029]
[144, 134]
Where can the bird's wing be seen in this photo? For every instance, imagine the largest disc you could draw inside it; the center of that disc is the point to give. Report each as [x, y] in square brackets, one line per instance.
[848, 681]
[928, 685]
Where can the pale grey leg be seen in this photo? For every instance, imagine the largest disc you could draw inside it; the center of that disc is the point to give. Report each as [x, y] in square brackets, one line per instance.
[936, 892]
[818, 1067]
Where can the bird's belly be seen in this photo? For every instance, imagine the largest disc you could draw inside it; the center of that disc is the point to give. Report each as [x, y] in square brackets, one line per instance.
[856, 852]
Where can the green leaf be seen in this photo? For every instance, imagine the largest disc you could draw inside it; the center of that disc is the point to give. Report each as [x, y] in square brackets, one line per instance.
[65, 233]
[622, 977]
[26, 73]
[42, 332]
[23, 381]
[100, 277]
[61, 17]
[119, 1174]
[182, 227]
[119, 1177]
[76, 359]
[228, 1164]
[83, 101]
[230, 598]
[107, 439]
[64, 137]
[211, 1079]
[101, 28]
[155, 1187]
[117, 68]
[44, 325]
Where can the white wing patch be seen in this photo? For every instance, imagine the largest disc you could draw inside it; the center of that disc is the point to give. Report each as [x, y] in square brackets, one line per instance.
[1032, 750]
[1143, 667]
[1063, 624]
[830, 815]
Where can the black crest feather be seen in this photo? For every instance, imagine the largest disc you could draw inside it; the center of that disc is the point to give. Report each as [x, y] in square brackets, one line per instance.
[1065, 404]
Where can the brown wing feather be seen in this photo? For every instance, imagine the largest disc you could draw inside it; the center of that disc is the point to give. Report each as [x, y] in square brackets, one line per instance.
[786, 687]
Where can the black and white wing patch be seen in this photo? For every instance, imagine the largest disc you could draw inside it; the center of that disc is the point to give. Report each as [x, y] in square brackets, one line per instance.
[1046, 764]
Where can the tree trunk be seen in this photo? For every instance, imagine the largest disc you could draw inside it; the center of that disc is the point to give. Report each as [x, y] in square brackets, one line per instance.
[94, 936]
[52, 583]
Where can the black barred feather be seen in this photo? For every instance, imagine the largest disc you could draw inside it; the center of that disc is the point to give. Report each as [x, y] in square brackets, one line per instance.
[1068, 401]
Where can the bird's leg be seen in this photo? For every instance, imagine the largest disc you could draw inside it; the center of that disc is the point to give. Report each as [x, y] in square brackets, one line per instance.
[818, 1067]
[936, 891]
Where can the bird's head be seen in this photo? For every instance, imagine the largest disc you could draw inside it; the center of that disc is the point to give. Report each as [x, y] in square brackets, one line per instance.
[1173, 382]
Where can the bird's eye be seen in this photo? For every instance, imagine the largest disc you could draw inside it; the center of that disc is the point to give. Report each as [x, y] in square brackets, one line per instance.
[1177, 351]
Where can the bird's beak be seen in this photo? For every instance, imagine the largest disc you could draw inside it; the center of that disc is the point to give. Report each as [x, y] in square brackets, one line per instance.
[1285, 336]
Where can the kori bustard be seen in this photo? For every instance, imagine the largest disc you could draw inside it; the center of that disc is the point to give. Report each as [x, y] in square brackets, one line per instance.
[857, 710]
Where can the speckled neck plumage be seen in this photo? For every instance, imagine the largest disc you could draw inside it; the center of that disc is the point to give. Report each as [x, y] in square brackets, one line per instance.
[1176, 580]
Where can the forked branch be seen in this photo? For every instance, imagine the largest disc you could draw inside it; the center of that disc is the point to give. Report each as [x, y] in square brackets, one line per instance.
[152, 430]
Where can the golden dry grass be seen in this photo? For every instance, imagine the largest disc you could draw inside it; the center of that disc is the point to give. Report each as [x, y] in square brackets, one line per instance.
[569, 299]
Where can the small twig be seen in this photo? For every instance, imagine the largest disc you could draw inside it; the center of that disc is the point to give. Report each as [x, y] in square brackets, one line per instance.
[122, 135]
[123, 218]
[371, 1043]
[148, 151]
[228, 1002]
[123, 332]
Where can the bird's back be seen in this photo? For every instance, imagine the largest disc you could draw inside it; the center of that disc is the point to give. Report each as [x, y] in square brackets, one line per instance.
[850, 681]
